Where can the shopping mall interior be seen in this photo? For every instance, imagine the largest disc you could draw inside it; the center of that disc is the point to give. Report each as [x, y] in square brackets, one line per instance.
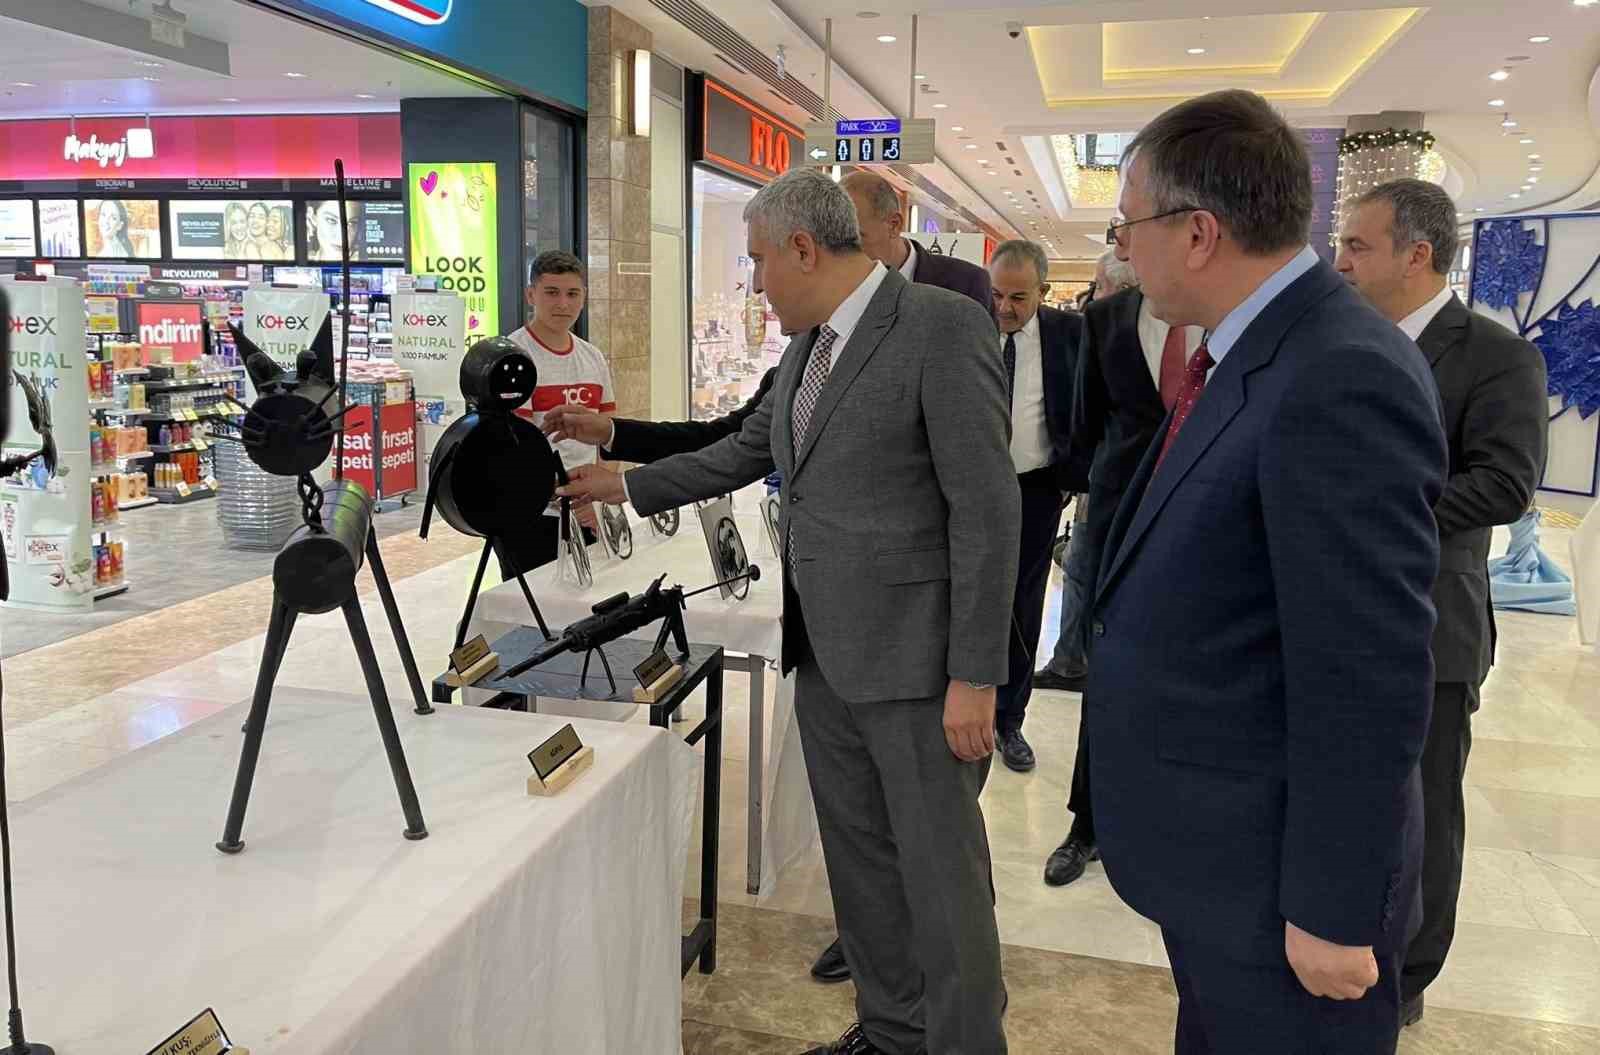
[168, 202]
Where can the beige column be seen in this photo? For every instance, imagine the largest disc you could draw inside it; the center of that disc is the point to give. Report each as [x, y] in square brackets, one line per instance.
[619, 211]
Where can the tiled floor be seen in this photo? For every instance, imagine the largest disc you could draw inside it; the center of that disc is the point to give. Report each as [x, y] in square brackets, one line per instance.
[1085, 973]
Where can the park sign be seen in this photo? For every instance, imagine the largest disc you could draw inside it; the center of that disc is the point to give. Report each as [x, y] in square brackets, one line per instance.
[870, 141]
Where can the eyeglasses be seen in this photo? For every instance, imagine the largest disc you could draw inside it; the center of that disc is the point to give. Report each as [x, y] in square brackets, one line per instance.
[1114, 235]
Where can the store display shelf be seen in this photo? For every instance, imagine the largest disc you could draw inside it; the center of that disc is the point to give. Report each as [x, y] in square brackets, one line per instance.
[130, 412]
[122, 463]
[169, 497]
[137, 503]
[112, 589]
[102, 404]
[105, 527]
[174, 449]
[197, 414]
[133, 371]
[200, 382]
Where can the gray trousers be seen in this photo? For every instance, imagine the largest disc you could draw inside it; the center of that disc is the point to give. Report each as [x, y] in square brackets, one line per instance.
[908, 863]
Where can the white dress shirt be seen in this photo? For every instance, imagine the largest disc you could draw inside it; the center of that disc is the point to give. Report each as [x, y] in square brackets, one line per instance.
[1153, 339]
[909, 268]
[1030, 430]
[844, 320]
[1413, 325]
[1233, 325]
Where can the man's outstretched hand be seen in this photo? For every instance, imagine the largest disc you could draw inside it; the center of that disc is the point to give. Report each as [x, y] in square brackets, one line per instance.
[593, 483]
[573, 421]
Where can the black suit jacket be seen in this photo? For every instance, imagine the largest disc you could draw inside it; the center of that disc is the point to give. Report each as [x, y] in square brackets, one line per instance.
[648, 441]
[1117, 409]
[1262, 681]
[1060, 337]
[1493, 387]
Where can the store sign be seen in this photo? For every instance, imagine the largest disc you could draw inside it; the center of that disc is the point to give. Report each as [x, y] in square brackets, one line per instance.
[430, 341]
[171, 332]
[454, 236]
[880, 141]
[422, 12]
[284, 322]
[740, 137]
[135, 143]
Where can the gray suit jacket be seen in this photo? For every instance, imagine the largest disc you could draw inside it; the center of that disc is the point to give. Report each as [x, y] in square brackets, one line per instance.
[902, 505]
[1496, 417]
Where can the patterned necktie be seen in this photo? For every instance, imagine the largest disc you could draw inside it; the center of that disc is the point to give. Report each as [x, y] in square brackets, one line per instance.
[1011, 364]
[1194, 382]
[805, 401]
[1173, 371]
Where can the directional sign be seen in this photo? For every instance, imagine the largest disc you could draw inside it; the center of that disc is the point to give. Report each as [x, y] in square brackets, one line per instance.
[885, 141]
[880, 126]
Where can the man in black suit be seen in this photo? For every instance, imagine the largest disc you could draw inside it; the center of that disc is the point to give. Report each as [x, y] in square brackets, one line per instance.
[1261, 679]
[1129, 374]
[1396, 247]
[1039, 347]
[628, 440]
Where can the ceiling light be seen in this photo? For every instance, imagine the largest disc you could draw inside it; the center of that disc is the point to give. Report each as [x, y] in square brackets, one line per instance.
[1518, 194]
[1539, 40]
[1533, 157]
[958, 128]
[365, 95]
[23, 84]
[149, 64]
[866, 14]
[1499, 75]
[296, 76]
[1478, 209]
[994, 172]
[228, 99]
[1535, 168]
[1533, 179]
[152, 80]
[919, 76]
[1525, 140]
[972, 146]
[1196, 51]
[1497, 103]
[941, 106]
[1584, 3]
[1508, 123]
[106, 100]
[886, 38]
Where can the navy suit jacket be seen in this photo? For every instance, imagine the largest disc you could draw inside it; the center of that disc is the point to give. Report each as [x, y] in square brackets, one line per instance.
[1262, 680]
[1060, 338]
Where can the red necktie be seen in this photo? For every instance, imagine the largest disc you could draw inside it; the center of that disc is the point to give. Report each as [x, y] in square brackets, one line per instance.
[1194, 382]
[1173, 355]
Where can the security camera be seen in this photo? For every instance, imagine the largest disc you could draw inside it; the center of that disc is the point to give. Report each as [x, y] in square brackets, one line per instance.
[1013, 30]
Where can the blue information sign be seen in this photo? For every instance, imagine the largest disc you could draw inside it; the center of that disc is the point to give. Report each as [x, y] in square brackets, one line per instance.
[880, 126]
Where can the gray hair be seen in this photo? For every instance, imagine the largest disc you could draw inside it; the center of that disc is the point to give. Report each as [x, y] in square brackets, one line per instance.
[879, 192]
[1119, 273]
[806, 199]
[1423, 212]
[1232, 155]
[1018, 251]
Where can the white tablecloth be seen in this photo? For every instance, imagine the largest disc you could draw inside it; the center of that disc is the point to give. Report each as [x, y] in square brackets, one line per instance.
[518, 920]
[785, 814]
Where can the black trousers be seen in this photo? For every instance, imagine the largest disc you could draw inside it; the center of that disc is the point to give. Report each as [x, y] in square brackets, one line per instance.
[1103, 504]
[1041, 518]
[1444, 766]
[1227, 1007]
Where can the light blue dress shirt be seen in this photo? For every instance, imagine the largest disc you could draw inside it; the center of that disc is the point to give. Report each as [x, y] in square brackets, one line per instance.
[1233, 325]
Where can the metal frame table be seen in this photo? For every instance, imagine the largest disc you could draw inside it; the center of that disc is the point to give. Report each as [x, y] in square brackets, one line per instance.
[560, 679]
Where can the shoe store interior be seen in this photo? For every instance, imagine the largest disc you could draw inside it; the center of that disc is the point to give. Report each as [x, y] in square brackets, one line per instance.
[302, 500]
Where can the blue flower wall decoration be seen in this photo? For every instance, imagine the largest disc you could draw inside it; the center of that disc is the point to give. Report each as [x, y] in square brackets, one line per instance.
[1508, 263]
[1570, 342]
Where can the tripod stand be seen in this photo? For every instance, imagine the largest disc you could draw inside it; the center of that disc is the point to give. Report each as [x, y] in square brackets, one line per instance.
[472, 598]
[281, 625]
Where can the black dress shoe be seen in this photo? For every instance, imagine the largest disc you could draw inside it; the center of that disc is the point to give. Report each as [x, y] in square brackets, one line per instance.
[1069, 860]
[854, 1042]
[1015, 752]
[1050, 681]
[1411, 1011]
[831, 965]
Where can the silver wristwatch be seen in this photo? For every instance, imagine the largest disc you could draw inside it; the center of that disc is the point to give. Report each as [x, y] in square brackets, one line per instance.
[979, 686]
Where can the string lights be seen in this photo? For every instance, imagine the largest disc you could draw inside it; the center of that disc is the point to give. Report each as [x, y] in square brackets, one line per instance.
[1368, 159]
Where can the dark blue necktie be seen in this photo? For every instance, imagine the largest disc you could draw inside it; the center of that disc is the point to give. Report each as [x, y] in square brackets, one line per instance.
[1011, 363]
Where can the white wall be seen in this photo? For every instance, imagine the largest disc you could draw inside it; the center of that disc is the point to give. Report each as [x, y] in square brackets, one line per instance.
[669, 326]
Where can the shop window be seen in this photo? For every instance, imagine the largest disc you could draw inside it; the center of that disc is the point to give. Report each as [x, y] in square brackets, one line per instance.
[735, 337]
[549, 191]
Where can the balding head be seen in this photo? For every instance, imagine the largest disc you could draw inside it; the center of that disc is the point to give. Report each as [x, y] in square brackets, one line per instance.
[878, 208]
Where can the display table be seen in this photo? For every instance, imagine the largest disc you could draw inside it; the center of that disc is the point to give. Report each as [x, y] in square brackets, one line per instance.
[781, 821]
[518, 919]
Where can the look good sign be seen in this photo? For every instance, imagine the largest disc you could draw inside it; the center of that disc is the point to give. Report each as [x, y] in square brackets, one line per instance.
[454, 236]
[283, 322]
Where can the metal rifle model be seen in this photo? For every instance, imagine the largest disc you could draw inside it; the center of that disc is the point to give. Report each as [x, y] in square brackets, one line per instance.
[617, 617]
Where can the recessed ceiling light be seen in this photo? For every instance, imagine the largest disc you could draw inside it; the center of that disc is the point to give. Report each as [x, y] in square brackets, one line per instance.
[919, 76]
[886, 38]
[149, 64]
[152, 80]
[1541, 39]
[1497, 103]
[941, 106]
[229, 99]
[1514, 194]
[23, 84]
[1584, 3]
[1533, 157]
[866, 14]
[1499, 75]
[958, 128]
[1478, 209]
[106, 100]
[994, 172]
[365, 95]
[1196, 51]
[1535, 168]
[1508, 123]
[1525, 140]
[296, 76]
[1533, 179]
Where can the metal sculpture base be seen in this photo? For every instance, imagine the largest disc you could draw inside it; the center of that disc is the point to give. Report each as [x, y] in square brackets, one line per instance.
[278, 631]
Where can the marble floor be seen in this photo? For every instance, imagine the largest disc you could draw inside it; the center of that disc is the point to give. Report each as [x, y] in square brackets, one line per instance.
[1085, 973]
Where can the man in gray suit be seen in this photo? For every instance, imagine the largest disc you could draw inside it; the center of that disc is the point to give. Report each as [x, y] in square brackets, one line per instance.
[889, 424]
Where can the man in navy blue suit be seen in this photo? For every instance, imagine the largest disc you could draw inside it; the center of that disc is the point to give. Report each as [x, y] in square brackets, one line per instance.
[1262, 680]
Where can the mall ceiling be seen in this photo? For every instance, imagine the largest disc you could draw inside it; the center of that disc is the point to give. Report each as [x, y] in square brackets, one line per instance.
[1014, 77]
[105, 62]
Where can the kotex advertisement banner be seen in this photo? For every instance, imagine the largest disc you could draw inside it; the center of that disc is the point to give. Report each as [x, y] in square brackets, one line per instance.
[454, 236]
[430, 332]
[284, 322]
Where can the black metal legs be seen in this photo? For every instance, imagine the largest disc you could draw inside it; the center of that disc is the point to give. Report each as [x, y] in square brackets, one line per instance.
[357, 622]
[397, 628]
[278, 631]
[472, 594]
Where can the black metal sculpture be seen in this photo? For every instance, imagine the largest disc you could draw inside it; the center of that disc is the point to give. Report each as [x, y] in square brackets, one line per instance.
[290, 431]
[493, 472]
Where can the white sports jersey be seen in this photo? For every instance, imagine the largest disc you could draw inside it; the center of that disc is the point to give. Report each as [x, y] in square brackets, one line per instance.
[580, 374]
